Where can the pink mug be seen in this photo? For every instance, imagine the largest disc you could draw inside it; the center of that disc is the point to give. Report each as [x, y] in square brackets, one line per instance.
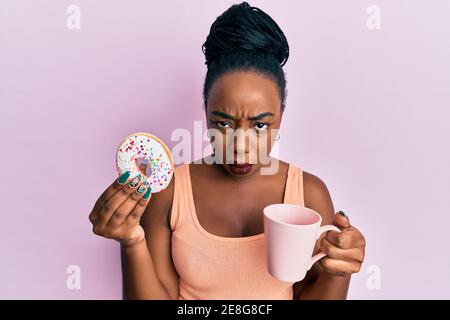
[291, 232]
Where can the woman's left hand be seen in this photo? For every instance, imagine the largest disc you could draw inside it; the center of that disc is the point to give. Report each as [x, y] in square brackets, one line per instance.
[345, 250]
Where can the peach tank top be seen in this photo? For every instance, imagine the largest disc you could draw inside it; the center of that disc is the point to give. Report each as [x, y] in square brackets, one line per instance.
[213, 267]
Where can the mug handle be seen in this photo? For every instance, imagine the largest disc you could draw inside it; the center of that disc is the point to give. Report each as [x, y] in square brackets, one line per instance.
[320, 255]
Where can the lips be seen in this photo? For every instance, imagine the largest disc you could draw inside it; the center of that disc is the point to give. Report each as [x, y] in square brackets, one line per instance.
[240, 168]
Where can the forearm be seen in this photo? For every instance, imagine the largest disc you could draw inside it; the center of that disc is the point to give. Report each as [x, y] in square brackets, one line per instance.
[326, 287]
[140, 280]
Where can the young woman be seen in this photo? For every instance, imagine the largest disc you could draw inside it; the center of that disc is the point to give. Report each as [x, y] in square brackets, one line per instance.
[203, 236]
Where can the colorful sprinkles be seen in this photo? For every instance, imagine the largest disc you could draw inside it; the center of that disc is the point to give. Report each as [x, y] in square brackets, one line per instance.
[144, 148]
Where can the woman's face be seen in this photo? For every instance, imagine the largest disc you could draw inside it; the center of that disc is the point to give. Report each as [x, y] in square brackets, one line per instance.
[244, 109]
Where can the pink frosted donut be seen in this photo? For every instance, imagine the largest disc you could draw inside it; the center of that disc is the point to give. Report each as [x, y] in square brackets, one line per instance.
[142, 147]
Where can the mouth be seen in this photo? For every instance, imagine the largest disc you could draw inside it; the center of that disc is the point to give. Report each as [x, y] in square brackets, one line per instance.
[240, 168]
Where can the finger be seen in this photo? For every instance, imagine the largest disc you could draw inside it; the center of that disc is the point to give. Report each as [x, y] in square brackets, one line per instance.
[341, 220]
[126, 208]
[336, 266]
[343, 254]
[135, 216]
[143, 168]
[116, 200]
[118, 183]
[350, 238]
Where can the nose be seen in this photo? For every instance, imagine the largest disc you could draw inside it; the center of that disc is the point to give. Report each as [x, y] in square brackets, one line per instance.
[240, 142]
[242, 146]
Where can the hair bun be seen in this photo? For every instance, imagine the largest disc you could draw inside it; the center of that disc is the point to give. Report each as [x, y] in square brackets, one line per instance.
[245, 28]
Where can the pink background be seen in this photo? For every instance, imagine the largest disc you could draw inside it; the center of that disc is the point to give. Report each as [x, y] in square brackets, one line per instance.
[367, 111]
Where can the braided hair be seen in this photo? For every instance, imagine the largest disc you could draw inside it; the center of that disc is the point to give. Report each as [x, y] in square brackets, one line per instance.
[245, 38]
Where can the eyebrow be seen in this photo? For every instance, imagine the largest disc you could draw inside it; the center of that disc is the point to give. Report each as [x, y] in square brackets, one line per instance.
[257, 117]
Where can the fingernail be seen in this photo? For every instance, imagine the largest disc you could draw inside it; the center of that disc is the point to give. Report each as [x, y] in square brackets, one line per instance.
[124, 177]
[147, 194]
[133, 183]
[140, 189]
[342, 213]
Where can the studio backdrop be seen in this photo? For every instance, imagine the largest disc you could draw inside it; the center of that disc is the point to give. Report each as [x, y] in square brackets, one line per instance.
[367, 110]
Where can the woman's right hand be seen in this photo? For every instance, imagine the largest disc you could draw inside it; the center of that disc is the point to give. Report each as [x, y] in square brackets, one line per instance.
[117, 212]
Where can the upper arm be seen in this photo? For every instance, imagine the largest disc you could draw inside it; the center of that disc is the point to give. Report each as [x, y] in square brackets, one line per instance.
[318, 198]
[158, 233]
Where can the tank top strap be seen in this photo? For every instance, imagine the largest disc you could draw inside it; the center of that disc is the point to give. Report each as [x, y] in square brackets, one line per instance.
[294, 193]
[180, 194]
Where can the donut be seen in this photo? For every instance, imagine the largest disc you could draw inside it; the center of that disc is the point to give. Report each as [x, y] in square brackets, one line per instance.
[144, 148]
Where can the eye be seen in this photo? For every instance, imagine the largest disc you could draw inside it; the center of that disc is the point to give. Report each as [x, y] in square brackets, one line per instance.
[260, 126]
[223, 124]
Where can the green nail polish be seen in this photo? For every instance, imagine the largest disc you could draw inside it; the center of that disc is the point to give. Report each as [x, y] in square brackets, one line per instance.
[147, 194]
[124, 177]
[133, 183]
[342, 213]
[140, 189]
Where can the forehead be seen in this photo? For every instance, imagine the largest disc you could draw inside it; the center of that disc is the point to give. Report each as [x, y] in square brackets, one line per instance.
[244, 90]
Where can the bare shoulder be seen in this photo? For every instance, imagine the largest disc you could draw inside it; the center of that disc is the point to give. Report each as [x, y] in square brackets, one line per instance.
[317, 196]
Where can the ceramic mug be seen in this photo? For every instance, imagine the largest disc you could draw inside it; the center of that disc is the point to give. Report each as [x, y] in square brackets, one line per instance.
[291, 232]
